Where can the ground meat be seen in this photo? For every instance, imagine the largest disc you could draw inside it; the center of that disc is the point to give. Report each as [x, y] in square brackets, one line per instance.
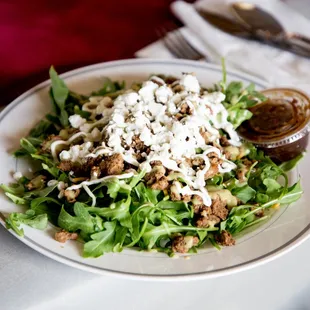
[156, 163]
[214, 161]
[197, 200]
[137, 143]
[112, 165]
[71, 195]
[169, 79]
[198, 162]
[186, 198]
[140, 148]
[202, 210]
[161, 184]
[218, 208]
[182, 244]
[258, 213]
[156, 173]
[175, 196]
[206, 135]
[46, 144]
[177, 88]
[178, 116]
[185, 109]
[213, 170]
[156, 179]
[224, 141]
[95, 172]
[225, 238]
[63, 235]
[66, 165]
[92, 161]
[210, 216]
[207, 221]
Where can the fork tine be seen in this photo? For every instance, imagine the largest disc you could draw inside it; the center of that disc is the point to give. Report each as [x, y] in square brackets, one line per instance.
[191, 50]
[178, 45]
[163, 34]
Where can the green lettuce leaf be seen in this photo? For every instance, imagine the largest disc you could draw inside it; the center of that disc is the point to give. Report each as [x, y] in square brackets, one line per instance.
[102, 242]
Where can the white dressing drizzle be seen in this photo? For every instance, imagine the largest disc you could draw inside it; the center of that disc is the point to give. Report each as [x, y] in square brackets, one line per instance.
[151, 114]
[97, 181]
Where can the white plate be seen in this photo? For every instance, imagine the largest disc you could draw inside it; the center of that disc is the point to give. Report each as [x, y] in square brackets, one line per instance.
[285, 230]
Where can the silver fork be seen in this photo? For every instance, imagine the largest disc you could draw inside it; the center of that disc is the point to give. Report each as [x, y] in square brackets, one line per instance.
[175, 42]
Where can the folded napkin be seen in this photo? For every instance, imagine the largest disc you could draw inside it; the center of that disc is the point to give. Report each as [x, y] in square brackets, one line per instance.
[273, 65]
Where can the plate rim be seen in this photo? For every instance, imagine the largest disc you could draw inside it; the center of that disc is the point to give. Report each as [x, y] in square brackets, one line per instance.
[285, 248]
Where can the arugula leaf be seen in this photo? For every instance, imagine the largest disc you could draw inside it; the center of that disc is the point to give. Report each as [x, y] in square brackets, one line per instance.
[238, 116]
[102, 242]
[59, 93]
[113, 187]
[14, 188]
[41, 129]
[82, 113]
[272, 186]
[139, 221]
[17, 200]
[152, 232]
[59, 89]
[116, 211]
[146, 194]
[40, 192]
[109, 87]
[293, 194]
[120, 235]
[289, 165]
[244, 193]
[238, 99]
[27, 146]
[46, 205]
[54, 171]
[81, 221]
[29, 218]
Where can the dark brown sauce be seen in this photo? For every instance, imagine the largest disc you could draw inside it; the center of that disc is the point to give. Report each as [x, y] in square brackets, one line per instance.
[275, 118]
[279, 125]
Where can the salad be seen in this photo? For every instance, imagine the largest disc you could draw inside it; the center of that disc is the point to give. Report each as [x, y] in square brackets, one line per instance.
[158, 166]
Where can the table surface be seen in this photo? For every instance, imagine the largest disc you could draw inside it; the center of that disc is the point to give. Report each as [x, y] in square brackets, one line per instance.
[70, 34]
[30, 281]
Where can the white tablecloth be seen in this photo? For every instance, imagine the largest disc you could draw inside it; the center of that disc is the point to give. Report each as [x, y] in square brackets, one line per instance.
[30, 281]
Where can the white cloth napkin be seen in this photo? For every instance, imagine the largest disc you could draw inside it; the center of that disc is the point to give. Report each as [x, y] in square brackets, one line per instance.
[273, 65]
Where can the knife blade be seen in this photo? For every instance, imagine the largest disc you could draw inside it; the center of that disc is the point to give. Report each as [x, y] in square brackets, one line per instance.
[240, 30]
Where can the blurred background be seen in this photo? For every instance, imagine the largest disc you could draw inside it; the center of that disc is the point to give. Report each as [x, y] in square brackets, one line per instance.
[70, 34]
[73, 33]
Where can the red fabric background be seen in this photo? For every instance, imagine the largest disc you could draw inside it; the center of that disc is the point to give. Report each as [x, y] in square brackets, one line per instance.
[69, 34]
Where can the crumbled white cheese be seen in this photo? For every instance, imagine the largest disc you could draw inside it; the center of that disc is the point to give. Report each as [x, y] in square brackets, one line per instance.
[190, 83]
[76, 153]
[152, 115]
[76, 120]
[163, 94]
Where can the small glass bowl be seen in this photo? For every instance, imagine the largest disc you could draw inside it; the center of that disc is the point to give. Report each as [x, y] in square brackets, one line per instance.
[280, 125]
